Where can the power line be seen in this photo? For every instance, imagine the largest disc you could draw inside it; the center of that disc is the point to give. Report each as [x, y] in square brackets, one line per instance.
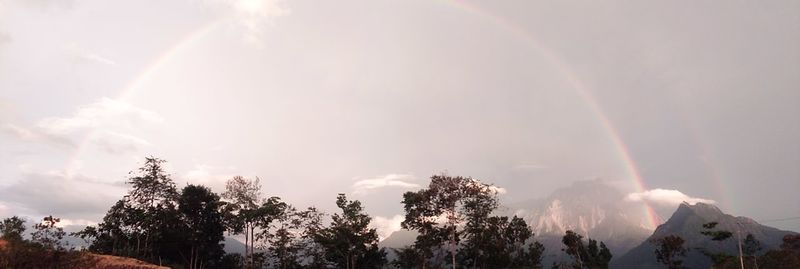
[776, 220]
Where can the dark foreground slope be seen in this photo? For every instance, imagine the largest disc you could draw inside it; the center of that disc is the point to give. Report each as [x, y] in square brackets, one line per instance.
[687, 222]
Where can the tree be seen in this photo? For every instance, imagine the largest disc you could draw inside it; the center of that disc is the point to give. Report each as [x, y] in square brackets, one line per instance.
[348, 241]
[717, 258]
[146, 223]
[11, 229]
[574, 247]
[285, 245]
[243, 196]
[44, 250]
[200, 209]
[586, 256]
[451, 199]
[152, 200]
[408, 258]
[498, 242]
[668, 251]
[751, 248]
[535, 254]
[48, 234]
[313, 252]
[788, 256]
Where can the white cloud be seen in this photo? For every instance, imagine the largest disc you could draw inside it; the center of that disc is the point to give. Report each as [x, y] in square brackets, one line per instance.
[665, 197]
[253, 15]
[108, 121]
[82, 55]
[104, 113]
[116, 143]
[386, 226]
[35, 135]
[390, 180]
[210, 176]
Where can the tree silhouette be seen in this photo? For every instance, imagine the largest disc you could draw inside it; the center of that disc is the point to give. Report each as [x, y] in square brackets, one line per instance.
[586, 256]
[668, 251]
[439, 211]
[717, 258]
[11, 229]
[243, 196]
[200, 209]
[348, 241]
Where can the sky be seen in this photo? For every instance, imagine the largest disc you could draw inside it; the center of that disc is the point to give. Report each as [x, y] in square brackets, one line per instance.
[668, 101]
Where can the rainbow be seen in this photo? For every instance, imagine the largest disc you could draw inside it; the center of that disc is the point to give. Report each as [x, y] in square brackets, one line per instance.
[185, 41]
[621, 148]
[576, 84]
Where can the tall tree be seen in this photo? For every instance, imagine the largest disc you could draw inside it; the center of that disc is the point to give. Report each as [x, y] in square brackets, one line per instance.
[203, 227]
[573, 246]
[669, 251]
[586, 256]
[243, 196]
[11, 229]
[348, 241]
[451, 199]
[152, 198]
[751, 247]
[313, 252]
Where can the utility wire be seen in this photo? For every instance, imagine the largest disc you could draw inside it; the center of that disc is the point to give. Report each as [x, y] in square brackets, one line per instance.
[777, 220]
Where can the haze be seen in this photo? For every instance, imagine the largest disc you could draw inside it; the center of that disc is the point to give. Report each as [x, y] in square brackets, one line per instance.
[371, 98]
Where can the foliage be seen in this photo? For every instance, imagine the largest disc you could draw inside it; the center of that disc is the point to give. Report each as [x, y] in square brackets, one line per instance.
[439, 211]
[718, 259]
[586, 256]
[202, 226]
[669, 250]
[242, 210]
[11, 229]
[348, 241]
[44, 250]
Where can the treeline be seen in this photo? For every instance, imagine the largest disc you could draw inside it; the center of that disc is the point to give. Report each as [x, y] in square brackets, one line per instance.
[158, 223]
[670, 251]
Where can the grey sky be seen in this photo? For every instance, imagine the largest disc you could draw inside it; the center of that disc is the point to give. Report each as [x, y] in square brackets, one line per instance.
[315, 96]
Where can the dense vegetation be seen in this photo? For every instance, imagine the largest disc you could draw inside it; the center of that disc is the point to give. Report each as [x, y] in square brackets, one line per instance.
[454, 218]
[670, 251]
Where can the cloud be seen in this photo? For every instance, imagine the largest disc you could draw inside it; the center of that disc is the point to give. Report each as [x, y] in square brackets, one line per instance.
[117, 143]
[386, 226]
[665, 197]
[109, 119]
[59, 194]
[35, 135]
[210, 176]
[105, 112]
[253, 15]
[390, 180]
[81, 55]
[5, 38]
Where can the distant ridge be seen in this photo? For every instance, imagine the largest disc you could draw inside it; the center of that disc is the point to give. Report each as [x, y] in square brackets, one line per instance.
[687, 223]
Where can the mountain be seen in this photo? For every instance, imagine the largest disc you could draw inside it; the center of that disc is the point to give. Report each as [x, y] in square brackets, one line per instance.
[399, 239]
[232, 245]
[687, 223]
[591, 208]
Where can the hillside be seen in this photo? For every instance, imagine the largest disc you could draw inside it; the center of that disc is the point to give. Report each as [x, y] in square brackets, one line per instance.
[687, 223]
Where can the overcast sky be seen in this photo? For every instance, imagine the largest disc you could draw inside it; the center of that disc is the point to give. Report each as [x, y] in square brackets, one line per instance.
[370, 98]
